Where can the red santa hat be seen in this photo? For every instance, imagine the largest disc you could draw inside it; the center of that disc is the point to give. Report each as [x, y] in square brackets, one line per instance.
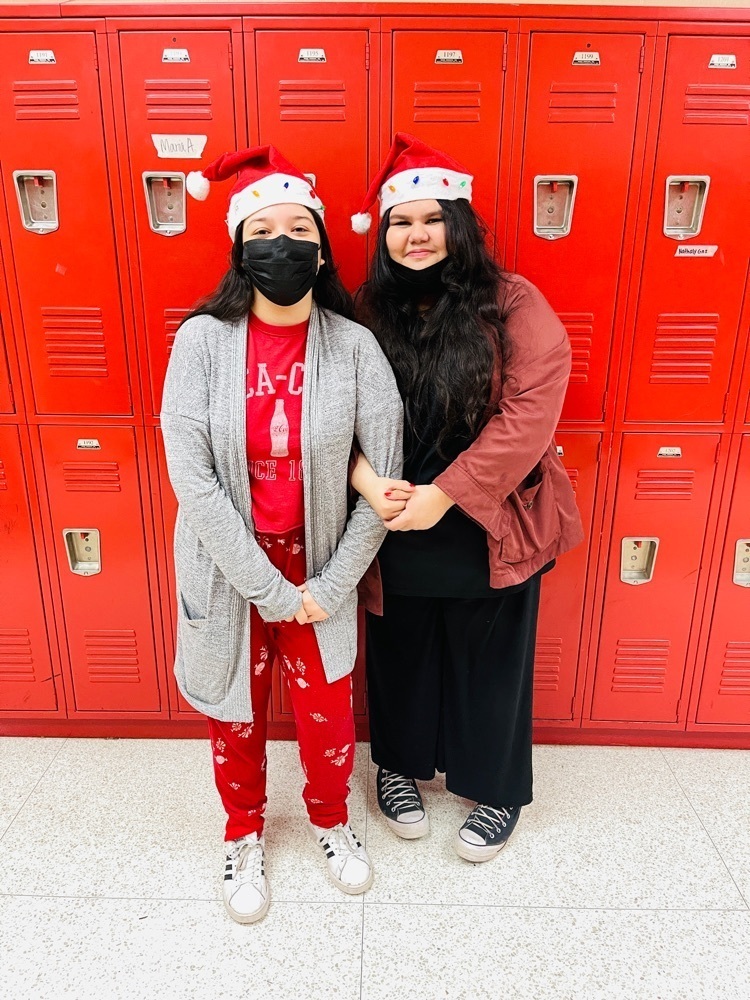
[264, 178]
[413, 171]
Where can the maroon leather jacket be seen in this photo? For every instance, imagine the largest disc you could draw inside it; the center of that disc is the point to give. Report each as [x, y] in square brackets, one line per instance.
[510, 480]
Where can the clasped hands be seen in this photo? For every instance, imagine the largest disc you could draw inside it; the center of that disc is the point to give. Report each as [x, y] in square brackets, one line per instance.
[405, 507]
[310, 611]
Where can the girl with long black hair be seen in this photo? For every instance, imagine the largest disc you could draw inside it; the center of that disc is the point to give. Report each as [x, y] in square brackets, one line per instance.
[482, 364]
[268, 382]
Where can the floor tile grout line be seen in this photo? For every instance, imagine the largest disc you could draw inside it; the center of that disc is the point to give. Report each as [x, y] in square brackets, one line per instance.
[698, 817]
[51, 761]
[367, 826]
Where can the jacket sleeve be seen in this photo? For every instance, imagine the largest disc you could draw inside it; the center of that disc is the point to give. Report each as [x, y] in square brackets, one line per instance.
[517, 436]
[204, 504]
[379, 432]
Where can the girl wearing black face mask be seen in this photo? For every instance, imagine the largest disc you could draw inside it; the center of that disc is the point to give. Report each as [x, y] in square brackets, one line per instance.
[482, 363]
[267, 380]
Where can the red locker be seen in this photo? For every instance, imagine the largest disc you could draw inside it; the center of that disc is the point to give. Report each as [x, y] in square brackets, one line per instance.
[179, 114]
[59, 207]
[559, 631]
[6, 391]
[691, 288]
[447, 88]
[661, 507]
[313, 104]
[26, 670]
[725, 690]
[102, 551]
[580, 116]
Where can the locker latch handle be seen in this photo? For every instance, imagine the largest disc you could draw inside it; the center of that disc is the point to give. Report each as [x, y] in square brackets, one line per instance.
[684, 205]
[165, 202]
[741, 571]
[83, 548]
[638, 559]
[554, 198]
[36, 192]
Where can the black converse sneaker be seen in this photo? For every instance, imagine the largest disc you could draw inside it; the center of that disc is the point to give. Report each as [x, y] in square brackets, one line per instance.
[485, 832]
[246, 892]
[401, 804]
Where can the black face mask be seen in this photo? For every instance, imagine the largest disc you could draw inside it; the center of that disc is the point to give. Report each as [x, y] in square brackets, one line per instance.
[418, 283]
[282, 269]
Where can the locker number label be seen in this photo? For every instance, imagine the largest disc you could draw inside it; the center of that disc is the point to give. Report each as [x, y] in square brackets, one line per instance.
[586, 59]
[669, 452]
[88, 444]
[179, 147]
[695, 251]
[453, 56]
[175, 56]
[311, 56]
[46, 56]
[719, 61]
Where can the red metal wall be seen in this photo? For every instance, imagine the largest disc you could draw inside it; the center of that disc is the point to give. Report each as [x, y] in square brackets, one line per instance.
[655, 433]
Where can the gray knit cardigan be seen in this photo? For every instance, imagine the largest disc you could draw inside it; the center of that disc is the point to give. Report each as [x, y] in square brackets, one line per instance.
[348, 390]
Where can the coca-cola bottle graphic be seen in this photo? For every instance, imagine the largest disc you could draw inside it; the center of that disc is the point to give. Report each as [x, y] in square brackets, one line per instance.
[279, 431]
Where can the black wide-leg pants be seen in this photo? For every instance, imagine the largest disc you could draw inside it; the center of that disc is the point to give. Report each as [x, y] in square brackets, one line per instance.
[449, 686]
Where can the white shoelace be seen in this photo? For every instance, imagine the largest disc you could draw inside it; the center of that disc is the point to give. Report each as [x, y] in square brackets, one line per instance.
[488, 819]
[249, 862]
[341, 840]
[400, 793]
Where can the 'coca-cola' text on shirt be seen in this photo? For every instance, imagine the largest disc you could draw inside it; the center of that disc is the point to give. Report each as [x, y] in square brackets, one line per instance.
[275, 370]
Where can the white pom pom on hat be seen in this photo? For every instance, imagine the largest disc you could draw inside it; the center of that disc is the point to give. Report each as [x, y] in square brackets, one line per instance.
[197, 185]
[413, 171]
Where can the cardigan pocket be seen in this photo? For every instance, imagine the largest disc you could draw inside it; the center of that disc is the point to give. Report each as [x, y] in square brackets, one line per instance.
[533, 519]
[205, 655]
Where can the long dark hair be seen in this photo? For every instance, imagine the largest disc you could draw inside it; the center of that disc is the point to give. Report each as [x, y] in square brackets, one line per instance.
[448, 355]
[232, 297]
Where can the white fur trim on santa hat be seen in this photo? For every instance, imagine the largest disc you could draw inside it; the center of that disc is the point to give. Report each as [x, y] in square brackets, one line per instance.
[361, 222]
[424, 183]
[198, 186]
[275, 189]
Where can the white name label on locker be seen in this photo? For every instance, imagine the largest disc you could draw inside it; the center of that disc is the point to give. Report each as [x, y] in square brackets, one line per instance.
[179, 147]
[719, 61]
[312, 55]
[695, 251]
[42, 56]
[454, 56]
[669, 453]
[175, 55]
[88, 444]
[586, 59]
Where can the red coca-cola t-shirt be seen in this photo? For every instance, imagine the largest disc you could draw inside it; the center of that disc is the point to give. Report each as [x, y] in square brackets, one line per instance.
[275, 369]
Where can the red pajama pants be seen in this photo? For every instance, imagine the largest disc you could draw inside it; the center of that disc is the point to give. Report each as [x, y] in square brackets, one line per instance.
[322, 712]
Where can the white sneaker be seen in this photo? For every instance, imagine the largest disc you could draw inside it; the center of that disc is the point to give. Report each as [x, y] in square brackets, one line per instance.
[246, 891]
[349, 865]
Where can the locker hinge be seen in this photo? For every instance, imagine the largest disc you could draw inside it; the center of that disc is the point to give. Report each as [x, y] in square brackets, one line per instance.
[231, 61]
[642, 62]
[96, 59]
[367, 55]
[505, 56]
[11, 396]
[605, 399]
[598, 451]
[726, 404]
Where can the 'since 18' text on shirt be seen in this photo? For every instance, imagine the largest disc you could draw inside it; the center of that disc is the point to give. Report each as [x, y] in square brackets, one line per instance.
[275, 370]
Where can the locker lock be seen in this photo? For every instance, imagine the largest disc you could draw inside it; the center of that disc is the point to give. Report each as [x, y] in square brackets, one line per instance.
[554, 197]
[741, 574]
[36, 191]
[638, 559]
[83, 550]
[165, 202]
[684, 205]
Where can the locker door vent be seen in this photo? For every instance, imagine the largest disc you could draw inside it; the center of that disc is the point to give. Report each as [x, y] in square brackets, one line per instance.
[3, 477]
[735, 674]
[112, 655]
[172, 320]
[573, 477]
[45, 99]
[74, 341]
[91, 477]
[580, 327]
[640, 665]
[16, 660]
[658, 484]
[716, 104]
[547, 664]
[312, 101]
[439, 101]
[177, 100]
[684, 348]
[582, 103]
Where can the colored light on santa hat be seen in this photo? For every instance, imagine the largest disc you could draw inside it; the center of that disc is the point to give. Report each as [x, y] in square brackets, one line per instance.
[264, 178]
[413, 171]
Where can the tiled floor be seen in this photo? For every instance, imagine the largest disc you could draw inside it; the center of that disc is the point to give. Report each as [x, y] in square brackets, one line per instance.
[628, 878]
